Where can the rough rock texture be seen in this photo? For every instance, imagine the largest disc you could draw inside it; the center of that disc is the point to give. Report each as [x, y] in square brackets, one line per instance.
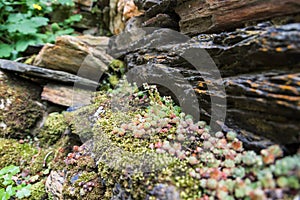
[255, 48]
[158, 13]
[48, 74]
[54, 184]
[76, 55]
[119, 12]
[214, 16]
[65, 95]
[264, 102]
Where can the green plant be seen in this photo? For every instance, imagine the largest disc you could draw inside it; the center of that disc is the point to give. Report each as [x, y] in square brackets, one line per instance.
[25, 23]
[8, 187]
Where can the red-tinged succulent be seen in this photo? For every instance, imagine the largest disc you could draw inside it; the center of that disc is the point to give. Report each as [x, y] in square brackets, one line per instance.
[237, 145]
[215, 173]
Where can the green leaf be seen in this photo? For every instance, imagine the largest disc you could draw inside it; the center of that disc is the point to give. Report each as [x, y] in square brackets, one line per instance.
[7, 179]
[66, 2]
[4, 195]
[11, 169]
[39, 21]
[26, 27]
[5, 51]
[24, 192]
[73, 18]
[9, 8]
[22, 45]
[64, 32]
[46, 171]
[29, 3]
[10, 190]
[16, 17]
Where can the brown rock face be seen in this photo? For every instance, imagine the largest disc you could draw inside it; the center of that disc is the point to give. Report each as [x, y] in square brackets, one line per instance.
[215, 16]
[71, 53]
[66, 95]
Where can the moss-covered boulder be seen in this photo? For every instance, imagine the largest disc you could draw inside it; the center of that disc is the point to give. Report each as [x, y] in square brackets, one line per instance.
[54, 127]
[141, 146]
[19, 106]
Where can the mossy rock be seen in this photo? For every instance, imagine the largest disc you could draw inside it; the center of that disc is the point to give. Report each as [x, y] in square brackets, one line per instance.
[38, 191]
[19, 106]
[129, 166]
[26, 155]
[53, 129]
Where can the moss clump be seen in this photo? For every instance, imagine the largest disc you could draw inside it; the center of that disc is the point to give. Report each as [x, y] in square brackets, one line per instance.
[24, 155]
[19, 110]
[155, 151]
[116, 70]
[55, 125]
[14, 153]
[38, 191]
[82, 182]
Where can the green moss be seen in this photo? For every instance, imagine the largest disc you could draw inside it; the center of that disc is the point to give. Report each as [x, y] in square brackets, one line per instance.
[24, 155]
[14, 153]
[117, 66]
[135, 166]
[116, 70]
[38, 191]
[55, 125]
[19, 111]
[79, 174]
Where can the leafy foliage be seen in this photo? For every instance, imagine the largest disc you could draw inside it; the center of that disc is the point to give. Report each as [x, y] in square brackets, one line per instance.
[25, 23]
[8, 187]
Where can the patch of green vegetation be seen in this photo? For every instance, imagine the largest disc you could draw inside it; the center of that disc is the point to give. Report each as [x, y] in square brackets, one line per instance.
[8, 186]
[116, 70]
[19, 112]
[52, 130]
[38, 191]
[25, 23]
[24, 155]
[14, 153]
[143, 147]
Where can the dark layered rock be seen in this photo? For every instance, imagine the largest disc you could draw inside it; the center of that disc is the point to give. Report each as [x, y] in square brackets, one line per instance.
[45, 74]
[256, 48]
[260, 70]
[158, 13]
[215, 16]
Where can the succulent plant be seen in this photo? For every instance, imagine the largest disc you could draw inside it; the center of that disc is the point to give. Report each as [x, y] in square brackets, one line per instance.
[231, 135]
[208, 166]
